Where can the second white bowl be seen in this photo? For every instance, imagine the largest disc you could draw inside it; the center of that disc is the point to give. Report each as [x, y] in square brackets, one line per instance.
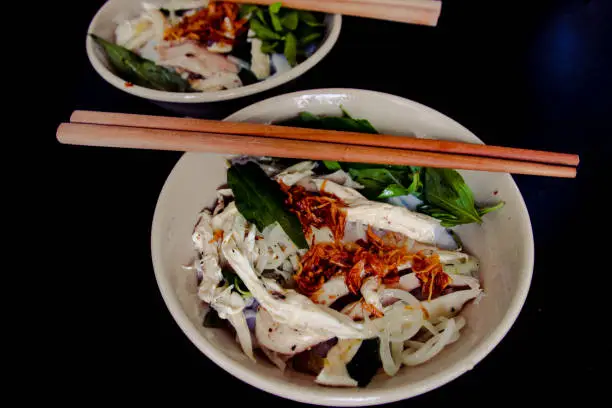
[504, 244]
[104, 26]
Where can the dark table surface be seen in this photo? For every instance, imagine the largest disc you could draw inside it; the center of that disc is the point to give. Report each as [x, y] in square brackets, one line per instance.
[533, 74]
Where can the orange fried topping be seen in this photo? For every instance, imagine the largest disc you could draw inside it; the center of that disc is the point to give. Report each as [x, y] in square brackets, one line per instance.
[217, 236]
[356, 261]
[376, 256]
[218, 22]
[316, 210]
[431, 274]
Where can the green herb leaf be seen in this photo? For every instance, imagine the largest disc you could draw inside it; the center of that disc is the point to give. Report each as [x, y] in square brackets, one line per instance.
[261, 15]
[445, 194]
[380, 182]
[276, 22]
[308, 120]
[332, 165]
[261, 201]
[247, 10]
[269, 47]
[231, 278]
[141, 71]
[263, 32]
[290, 20]
[310, 38]
[485, 210]
[291, 49]
[309, 18]
[275, 7]
[446, 190]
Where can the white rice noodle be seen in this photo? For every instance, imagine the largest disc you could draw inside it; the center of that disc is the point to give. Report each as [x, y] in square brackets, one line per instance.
[275, 358]
[260, 62]
[334, 372]
[238, 320]
[431, 348]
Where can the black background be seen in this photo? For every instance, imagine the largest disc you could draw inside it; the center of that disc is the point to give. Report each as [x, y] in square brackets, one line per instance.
[533, 74]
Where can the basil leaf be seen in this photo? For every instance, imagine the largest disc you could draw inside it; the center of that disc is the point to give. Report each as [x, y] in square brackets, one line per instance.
[247, 10]
[377, 180]
[291, 49]
[309, 18]
[485, 210]
[261, 201]
[290, 20]
[446, 189]
[445, 194]
[269, 47]
[262, 32]
[310, 38]
[276, 22]
[132, 67]
[332, 165]
[275, 7]
[396, 190]
[261, 16]
[231, 278]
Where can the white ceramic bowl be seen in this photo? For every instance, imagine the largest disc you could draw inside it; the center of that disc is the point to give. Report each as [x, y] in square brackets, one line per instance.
[104, 26]
[504, 244]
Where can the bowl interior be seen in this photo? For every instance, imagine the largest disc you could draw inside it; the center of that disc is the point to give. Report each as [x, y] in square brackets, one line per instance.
[105, 22]
[503, 243]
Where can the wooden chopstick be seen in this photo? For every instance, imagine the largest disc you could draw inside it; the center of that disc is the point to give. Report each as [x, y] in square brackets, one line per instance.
[350, 138]
[177, 140]
[424, 12]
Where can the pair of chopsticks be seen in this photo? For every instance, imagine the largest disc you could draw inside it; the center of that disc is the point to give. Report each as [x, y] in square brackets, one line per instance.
[199, 135]
[424, 12]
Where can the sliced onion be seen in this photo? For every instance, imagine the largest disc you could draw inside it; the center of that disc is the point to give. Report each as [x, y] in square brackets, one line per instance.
[414, 344]
[427, 324]
[408, 332]
[390, 366]
[459, 323]
[402, 295]
[431, 348]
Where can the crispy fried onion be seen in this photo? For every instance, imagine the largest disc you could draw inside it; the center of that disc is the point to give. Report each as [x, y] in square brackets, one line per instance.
[431, 274]
[355, 261]
[218, 22]
[316, 209]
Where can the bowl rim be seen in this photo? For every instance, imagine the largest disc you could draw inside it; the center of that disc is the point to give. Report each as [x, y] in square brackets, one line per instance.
[334, 396]
[217, 96]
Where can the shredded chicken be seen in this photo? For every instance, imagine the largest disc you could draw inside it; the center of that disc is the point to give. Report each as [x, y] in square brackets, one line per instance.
[316, 210]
